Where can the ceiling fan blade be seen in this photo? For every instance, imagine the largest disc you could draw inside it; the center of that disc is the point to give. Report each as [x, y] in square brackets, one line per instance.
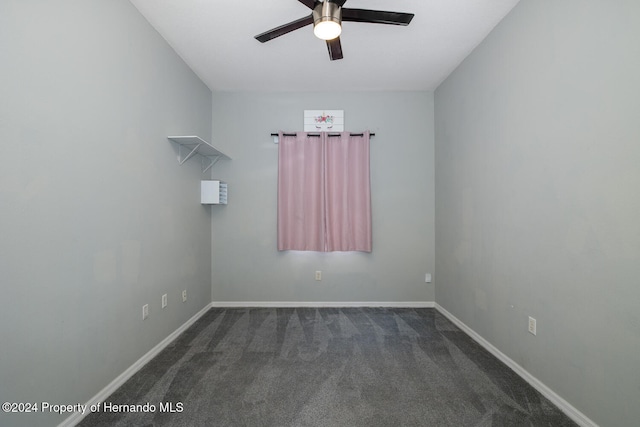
[309, 3]
[335, 49]
[284, 29]
[376, 16]
[340, 2]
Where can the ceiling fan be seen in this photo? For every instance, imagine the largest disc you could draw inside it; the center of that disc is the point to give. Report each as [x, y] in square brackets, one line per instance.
[327, 17]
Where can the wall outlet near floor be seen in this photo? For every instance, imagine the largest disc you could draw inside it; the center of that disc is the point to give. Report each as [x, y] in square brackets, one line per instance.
[184, 296]
[145, 311]
[532, 325]
[427, 278]
[318, 275]
[164, 300]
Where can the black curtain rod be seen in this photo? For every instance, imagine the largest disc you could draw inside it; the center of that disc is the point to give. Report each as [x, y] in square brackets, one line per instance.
[317, 134]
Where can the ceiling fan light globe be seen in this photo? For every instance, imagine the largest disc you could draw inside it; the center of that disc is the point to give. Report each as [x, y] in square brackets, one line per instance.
[327, 30]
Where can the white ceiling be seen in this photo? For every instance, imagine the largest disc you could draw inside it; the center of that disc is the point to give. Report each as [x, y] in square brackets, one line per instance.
[215, 38]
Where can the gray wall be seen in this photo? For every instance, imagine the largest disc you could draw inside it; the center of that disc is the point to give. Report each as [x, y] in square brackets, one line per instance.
[97, 217]
[246, 264]
[538, 198]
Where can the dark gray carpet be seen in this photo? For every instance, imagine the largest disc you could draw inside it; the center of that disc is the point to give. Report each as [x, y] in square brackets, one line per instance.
[328, 367]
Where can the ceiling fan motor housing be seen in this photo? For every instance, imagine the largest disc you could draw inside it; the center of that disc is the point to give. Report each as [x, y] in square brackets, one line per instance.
[327, 11]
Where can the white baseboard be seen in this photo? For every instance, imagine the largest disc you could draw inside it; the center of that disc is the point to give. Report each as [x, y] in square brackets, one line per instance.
[564, 406]
[123, 377]
[320, 304]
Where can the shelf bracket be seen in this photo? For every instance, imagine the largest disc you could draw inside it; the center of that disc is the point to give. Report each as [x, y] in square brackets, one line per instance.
[213, 161]
[194, 151]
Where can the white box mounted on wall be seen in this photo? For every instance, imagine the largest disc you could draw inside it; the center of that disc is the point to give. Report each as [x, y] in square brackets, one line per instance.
[213, 192]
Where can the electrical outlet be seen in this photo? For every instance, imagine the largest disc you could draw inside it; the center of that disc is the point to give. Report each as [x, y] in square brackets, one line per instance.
[164, 300]
[427, 278]
[318, 275]
[145, 311]
[184, 296]
[532, 325]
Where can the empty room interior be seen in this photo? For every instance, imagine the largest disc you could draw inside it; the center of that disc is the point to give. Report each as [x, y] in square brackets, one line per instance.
[504, 167]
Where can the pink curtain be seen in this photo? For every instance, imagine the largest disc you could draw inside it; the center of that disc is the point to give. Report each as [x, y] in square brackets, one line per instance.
[324, 192]
[348, 192]
[301, 198]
